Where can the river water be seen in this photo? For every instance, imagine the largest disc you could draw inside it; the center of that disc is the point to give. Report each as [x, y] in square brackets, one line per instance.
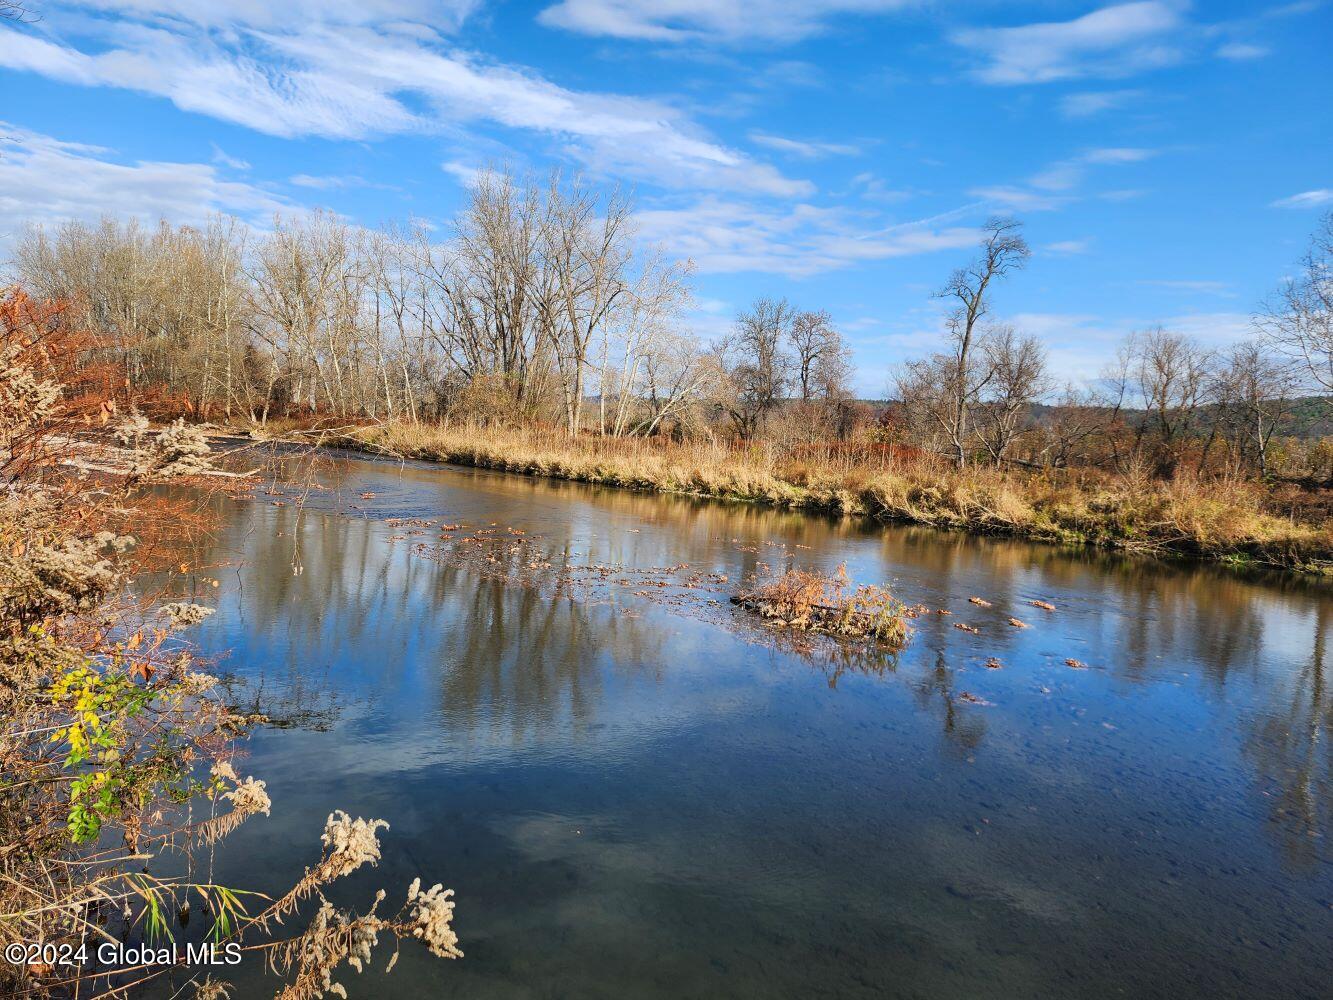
[638, 793]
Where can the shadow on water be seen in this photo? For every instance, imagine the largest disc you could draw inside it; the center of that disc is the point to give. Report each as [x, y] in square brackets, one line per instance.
[638, 792]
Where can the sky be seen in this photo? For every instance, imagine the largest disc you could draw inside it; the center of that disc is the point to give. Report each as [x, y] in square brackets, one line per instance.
[1168, 159]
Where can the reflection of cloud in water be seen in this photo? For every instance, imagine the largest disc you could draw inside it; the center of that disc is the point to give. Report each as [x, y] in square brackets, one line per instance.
[803, 831]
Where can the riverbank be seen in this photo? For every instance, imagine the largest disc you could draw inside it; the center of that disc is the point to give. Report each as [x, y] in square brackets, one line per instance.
[1234, 522]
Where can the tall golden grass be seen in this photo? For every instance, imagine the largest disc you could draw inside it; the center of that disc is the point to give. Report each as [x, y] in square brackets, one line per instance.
[1233, 520]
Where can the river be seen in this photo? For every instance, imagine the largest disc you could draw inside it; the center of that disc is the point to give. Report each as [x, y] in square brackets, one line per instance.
[637, 792]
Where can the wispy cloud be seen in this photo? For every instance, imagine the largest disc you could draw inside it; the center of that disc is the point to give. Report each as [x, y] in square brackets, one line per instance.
[874, 188]
[1242, 51]
[1010, 198]
[1218, 288]
[1055, 185]
[1090, 103]
[348, 81]
[47, 180]
[804, 149]
[334, 182]
[220, 156]
[1306, 199]
[1112, 42]
[723, 236]
[727, 21]
[1066, 248]
[1069, 173]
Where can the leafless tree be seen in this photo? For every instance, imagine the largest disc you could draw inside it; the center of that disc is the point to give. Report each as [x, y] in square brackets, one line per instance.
[1015, 379]
[1169, 376]
[1253, 391]
[491, 321]
[820, 356]
[1003, 250]
[758, 367]
[13, 10]
[1071, 429]
[1299, 319]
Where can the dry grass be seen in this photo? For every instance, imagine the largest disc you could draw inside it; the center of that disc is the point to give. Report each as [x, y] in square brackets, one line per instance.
[1238, 522]
[812, 601]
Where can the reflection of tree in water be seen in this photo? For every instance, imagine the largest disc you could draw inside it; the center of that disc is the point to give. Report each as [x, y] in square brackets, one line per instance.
[1292, 747]
[515, 656]
[522, 657]
[297, 699]
[935, 691]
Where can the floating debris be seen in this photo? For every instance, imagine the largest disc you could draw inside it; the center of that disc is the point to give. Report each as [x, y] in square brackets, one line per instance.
[980, 602]
[993, 664]
[1044, 605]
[972, 699]
[967, 628]
[1076, 664]
[1017, 624]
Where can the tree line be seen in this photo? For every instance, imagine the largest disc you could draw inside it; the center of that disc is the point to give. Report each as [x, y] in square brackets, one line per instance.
[539, 304]
[1166, 404]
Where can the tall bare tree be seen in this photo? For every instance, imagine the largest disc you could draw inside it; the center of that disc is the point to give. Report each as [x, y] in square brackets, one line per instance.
[1003, 250]
[586, 256]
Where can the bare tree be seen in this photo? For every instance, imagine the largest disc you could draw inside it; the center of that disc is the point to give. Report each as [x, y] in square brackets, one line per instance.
[1067, 433]
[758, 367]
[1169, 376]
[1299, 319]
[492, 288]
[820, 357]
[1003, 250]
[1015, 379]
[1253, 392]
[586, 259]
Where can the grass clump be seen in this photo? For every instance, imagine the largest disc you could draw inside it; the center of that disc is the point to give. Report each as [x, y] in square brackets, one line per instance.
[812, 601]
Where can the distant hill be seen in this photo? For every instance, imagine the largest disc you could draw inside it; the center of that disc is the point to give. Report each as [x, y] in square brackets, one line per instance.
[1310, 416]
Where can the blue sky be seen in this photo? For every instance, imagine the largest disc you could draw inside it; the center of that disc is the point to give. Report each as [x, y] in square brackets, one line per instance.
[1169, 159]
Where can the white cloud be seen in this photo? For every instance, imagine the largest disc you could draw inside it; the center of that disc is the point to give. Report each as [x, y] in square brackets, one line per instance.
[1066, 248]
[1087, 104]
[47, 180]
[1055, 185]
[1241, 51]
[1009, 198]
[1307, 199]
[1069, 173]
[722, 236]
[805, 150]
[874, 188]
[220, 155]
[440, 15]
[1218, 288]
[335, 182]
[466, 174]
[1111, 42]
[732, 21]
[351, 82]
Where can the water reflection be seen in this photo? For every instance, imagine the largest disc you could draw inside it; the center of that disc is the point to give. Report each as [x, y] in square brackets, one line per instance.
[1292, 747]
[783, 815]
